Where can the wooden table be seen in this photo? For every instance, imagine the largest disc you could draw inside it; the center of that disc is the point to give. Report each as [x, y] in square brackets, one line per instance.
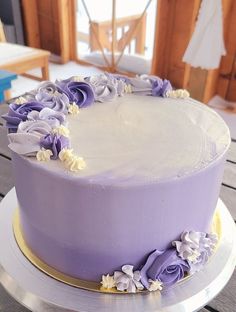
[224, 302]
[20, 59]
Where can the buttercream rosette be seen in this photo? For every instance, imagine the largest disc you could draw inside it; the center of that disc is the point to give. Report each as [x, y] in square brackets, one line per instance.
[165, 268]
[78, 92]
[18, 113]
[51, 96]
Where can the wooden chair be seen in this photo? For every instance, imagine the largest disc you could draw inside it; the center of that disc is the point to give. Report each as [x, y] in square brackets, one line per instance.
[20, 59]
[124, 31]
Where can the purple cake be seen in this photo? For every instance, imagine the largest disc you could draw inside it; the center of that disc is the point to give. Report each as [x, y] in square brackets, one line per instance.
[117, 178]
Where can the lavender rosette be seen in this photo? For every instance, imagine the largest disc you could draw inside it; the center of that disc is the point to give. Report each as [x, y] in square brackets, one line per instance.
[38, 127]
[53, 118]
[166, 267]
[119, 77]
[77, 91]
[18, 113]
[55, 143]
[150, 85]
[27, 139]
[196, 248]
[51, 96]
[106, 87]
[160, 87]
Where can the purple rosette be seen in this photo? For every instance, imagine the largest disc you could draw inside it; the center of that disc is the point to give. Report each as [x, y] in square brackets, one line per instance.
[77, 91]
[140, 86]
[18, 113]
[160, 87]
[166, 267]
[51, 96]
[55, 143]
[150, 85]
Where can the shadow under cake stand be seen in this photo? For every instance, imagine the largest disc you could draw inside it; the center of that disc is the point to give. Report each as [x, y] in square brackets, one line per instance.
[39, 292]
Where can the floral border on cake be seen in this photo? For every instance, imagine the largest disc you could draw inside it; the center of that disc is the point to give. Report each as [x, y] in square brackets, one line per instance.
[37, 121]
[165, 268]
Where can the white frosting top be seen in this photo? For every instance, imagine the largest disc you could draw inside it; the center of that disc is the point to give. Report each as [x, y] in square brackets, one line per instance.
[143, 138]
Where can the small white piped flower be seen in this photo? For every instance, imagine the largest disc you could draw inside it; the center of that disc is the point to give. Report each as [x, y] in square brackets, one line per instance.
[71, 161]
[44, 155]
[73, 109]
[78, 78]
[108, 281]
[177, 94]
[20, 100]
[127, 280]
[155, 285]
[194, 256]
[128, 88]
[75, 163]
[65, 154]
[61, 130]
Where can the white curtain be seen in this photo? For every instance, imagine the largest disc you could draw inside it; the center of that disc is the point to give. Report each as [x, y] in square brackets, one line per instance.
[207, 44]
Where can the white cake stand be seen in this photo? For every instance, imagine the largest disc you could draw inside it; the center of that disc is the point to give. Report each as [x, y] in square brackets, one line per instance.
[41, 293]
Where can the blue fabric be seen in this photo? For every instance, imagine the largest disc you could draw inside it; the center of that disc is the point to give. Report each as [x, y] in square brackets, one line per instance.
[5, 82]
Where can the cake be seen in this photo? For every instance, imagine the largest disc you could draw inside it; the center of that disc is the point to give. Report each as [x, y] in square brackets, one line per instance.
[117, 179]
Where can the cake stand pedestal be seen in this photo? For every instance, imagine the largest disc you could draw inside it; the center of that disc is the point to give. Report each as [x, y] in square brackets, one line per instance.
[41, 293]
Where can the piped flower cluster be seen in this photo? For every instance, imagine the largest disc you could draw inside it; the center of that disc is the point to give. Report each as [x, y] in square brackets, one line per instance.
[165, 268]
[37, 121]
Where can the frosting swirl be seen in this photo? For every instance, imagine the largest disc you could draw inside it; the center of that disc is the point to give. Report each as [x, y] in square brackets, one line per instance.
[48, 94]
[166, 267]
[71, 161]
[106, 87]
[27, 139]
[127, 279]
[196, 248]
[38, 127]
[79, 92]
[44, 155]
[61, 130]
[75, 163]
[18, 113]
[24, 143]
[150, 85]
[55, 143]
[53, 118]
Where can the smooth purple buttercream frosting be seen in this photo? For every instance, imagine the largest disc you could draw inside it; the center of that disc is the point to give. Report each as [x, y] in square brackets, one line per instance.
[96, 242]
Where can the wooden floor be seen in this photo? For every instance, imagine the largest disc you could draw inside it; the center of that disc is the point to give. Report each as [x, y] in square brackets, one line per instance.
[224, 302]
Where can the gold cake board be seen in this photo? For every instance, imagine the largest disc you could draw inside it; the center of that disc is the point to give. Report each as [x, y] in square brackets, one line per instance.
[75, 282]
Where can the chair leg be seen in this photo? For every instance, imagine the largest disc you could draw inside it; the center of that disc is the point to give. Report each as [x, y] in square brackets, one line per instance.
[7, 94]
[45, 70]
